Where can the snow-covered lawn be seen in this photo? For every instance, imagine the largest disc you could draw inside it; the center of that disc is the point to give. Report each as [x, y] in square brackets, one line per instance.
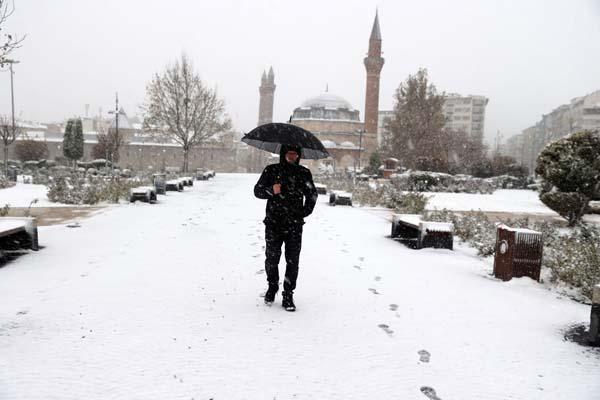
[162, 302]
[518, 201]
[22, 194]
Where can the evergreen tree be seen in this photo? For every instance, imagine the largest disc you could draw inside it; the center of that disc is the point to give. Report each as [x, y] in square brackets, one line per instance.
[374, 163]
[570, 168]
[416, 128]
[68, 139]
[77, 140]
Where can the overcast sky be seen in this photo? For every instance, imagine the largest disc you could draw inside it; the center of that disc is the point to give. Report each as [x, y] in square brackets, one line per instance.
[526, 56]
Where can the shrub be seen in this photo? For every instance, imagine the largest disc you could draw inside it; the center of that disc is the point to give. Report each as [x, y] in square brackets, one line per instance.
[569, 205]
[5, 183]
[574, 258]
[30, 150]
[570, 165]
[74, 189]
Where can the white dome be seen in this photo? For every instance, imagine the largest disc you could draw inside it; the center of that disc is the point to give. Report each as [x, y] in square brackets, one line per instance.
[328, 144]
[327, 100]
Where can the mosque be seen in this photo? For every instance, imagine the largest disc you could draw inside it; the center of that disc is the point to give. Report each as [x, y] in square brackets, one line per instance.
[333, 119]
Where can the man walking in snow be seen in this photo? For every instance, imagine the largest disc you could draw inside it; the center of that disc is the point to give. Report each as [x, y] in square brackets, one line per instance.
[291, 196]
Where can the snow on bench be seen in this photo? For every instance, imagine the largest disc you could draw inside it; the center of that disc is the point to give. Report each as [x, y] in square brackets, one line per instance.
[419, 233]
[18, 232]
[187, 181]
[174, 185]
[143, 193]
[321, 188]
[339, 197]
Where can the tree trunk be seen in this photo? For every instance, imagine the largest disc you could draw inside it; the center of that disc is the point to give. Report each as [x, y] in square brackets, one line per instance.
[186, 155]
[6, 160]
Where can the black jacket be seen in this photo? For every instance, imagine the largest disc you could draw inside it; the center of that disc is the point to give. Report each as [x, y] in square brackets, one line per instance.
[298, 194]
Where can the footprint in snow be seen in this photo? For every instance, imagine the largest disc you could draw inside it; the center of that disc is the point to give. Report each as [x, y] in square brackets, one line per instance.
[393, 307]
[260, 271]
[357, 267]
[429, 392]
[377, 278]
[386, 329]
[361, 259]
[374, 291]
[424, 356]
[23, 312]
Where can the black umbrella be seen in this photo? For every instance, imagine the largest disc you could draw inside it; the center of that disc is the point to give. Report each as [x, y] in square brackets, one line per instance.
[271, 137]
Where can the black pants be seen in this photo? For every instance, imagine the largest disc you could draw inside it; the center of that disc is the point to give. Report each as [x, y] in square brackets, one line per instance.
[275, 236]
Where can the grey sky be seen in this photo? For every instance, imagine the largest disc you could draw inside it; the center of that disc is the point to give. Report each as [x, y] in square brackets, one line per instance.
[526, 56]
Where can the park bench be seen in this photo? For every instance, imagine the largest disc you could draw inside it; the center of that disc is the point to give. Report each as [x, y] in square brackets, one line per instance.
[174, 185]
[340, 198]
[143, 193]
[187, 181]
[411, 228]
[204, 175]
[18, 233]
[321, 188]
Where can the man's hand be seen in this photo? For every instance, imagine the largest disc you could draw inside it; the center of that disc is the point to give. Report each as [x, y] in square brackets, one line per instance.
[276, 188]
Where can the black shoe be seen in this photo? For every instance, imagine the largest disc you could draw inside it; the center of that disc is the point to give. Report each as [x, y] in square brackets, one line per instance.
[271, 292]
[288, 301]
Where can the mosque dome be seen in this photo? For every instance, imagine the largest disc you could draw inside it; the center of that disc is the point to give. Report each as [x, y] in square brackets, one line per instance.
[327, 100]
[326, 106]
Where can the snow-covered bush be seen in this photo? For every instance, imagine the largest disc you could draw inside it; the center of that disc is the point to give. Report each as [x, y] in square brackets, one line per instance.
[574, 257]
[569, 205]
[473, 227]
[570, 166]
[425, 181]
[388, 196]
[4, 210]
[5, 183]
[74, 189]
[510, 182]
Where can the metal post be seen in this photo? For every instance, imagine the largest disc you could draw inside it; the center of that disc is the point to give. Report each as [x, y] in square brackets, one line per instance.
[12, 96]
[360, 146]
[117, 125]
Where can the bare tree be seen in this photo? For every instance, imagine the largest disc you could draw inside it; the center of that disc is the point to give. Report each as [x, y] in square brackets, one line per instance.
[29, 149]
[8, 135]
[109, 145]
[8, 42]
[181, 108]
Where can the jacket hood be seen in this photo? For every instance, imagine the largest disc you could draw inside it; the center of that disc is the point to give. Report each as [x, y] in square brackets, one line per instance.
[285, 148]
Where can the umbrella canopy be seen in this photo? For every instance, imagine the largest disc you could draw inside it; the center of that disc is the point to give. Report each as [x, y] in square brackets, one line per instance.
[270, 137]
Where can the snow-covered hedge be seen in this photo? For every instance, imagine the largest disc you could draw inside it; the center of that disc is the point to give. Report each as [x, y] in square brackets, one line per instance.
[571, 256]
[390, 197]
[74, 189]
[5, 183]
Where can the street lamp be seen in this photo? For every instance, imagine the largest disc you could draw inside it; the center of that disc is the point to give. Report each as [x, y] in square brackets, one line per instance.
[116, 112]
[360, 133]
[12, 93]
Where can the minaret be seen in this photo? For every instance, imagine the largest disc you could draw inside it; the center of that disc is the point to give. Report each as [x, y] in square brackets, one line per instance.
[267, 95]
[373, 64]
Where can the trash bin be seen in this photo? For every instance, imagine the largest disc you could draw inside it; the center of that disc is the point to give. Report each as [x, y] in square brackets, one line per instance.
[595, 317]
[518, 253]
[160, 183]
[12, 174]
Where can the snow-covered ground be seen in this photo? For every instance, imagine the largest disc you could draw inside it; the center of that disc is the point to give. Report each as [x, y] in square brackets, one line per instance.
[518, 201]
[162, 302]
[22, 194]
